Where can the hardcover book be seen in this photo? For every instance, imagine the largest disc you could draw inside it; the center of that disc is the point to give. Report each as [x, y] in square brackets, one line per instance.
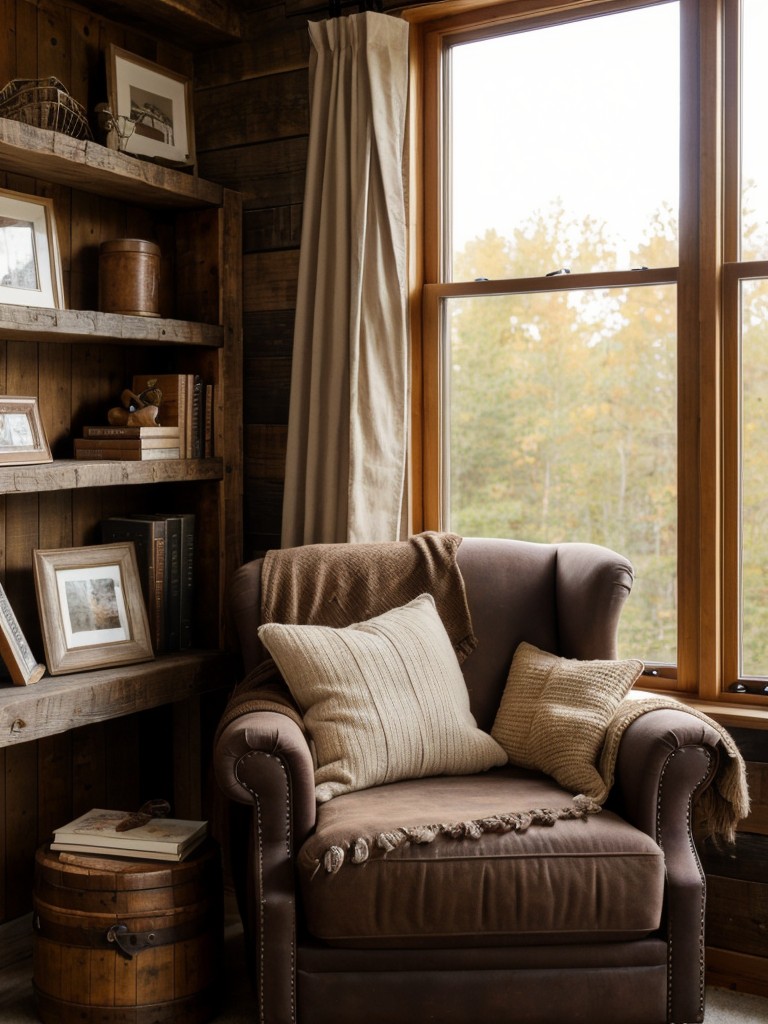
[108, 432]
[158, 839]
[92, 452]
[148, 536]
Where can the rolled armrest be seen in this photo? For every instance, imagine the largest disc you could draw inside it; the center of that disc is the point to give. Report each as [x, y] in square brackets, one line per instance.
[262, 759]
[259, 751]
[666, 757]
[592, 585]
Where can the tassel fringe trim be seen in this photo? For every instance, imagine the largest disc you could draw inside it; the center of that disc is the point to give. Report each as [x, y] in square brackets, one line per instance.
[361, 849]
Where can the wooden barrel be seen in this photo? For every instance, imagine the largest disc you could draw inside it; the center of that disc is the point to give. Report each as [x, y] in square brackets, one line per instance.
[127, 941]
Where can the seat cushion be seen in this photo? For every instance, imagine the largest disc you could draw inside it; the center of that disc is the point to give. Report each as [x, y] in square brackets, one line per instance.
[582, 879]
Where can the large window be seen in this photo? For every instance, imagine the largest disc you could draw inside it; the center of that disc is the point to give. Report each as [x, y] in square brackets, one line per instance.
[594, 345]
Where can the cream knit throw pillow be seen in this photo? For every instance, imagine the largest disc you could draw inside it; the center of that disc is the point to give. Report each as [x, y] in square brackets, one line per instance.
[554, 714]
[382, 700]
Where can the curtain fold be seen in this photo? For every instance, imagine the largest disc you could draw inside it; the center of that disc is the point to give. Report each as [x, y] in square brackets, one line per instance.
[347, 432]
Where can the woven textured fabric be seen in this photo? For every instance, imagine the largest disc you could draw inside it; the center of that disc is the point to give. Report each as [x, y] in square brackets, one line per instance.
[555, 711]
[383, 700]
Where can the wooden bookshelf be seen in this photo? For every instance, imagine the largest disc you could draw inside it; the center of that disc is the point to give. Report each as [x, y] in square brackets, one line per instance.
[92, 738]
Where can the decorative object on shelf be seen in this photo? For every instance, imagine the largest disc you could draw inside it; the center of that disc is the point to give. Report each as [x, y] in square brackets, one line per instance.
[129, 277]
[44, 103]
[22, 437]
[14, 649]
[91, 609]
[30, 265]
[158, 104]
[135, 410]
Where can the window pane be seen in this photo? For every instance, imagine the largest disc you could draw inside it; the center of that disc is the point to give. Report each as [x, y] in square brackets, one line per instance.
[562, 427]
[754, 146]
[754, 478]
[576, 125]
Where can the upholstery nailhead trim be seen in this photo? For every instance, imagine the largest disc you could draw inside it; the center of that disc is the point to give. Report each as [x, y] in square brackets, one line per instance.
[288, 847]
[702, 904]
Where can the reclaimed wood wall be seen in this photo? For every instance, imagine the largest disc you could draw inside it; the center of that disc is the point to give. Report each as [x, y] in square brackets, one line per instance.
[252, 119]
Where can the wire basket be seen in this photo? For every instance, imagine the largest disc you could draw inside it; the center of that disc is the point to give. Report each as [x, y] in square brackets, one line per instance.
[44, 103]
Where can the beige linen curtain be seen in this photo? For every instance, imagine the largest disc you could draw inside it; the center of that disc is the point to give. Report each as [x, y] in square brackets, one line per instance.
[346, 458]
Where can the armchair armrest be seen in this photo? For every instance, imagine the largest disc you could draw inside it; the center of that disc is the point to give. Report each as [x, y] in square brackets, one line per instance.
[592, 584]
[254, 750]
[665, 759]
[262, 759]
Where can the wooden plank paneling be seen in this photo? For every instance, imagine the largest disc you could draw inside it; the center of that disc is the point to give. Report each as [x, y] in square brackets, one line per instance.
[267, 371]
[271, 44]
[254, 111]
[269, 174]
[270, 280]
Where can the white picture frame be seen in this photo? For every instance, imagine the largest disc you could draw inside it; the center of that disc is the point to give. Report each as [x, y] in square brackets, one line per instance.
[30, 263]
[151, 108]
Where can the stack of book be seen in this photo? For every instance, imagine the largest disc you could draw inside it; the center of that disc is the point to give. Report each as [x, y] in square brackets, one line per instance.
[184, 423]
[159, 839]
[187, 403]
[133, 443]
[165, 549]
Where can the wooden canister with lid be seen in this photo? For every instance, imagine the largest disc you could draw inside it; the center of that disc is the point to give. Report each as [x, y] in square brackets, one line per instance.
[129, 277]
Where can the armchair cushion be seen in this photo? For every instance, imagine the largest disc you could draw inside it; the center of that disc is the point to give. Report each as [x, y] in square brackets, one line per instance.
[555, 711]
[382, 700]
[495, 889]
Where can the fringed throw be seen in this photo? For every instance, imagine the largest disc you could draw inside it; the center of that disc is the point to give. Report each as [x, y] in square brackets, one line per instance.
[362, 848]
[725, 801]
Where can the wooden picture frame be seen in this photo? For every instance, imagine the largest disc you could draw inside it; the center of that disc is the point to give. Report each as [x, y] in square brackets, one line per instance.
[151, 109]
[30, 262]
[23, 666]
[91, 607]
[22, 437]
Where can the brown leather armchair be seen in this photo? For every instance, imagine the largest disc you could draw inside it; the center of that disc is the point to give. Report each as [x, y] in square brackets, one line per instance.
[598, 920]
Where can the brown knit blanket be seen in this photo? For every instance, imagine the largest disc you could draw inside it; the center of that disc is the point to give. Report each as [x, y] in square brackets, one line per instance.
[339, 584]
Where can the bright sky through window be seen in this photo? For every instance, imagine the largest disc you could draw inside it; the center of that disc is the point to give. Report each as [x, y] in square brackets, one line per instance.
[586, 114]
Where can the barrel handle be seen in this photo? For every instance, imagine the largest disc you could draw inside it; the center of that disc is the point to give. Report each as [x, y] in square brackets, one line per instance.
[128, 942]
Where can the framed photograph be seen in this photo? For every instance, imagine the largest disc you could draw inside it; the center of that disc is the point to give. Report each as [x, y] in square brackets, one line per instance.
[91, 607]
[30, 264]
[22, 438]
[151, 108]
[14, 649]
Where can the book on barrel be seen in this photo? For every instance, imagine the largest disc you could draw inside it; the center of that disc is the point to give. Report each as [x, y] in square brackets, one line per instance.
[157, 839]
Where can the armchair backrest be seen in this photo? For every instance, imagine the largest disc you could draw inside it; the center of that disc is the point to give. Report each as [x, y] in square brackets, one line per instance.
[563, 598]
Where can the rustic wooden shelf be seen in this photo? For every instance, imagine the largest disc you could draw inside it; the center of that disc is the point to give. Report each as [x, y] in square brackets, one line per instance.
[59, 703]
[87, 166]
[200, 22]
[67, 474]
[31, 323]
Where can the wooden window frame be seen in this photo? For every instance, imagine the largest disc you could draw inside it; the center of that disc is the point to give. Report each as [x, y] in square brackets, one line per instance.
[707, 286]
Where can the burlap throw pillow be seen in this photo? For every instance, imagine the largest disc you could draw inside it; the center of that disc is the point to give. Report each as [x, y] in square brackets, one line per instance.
[554, 714]
[382, 700]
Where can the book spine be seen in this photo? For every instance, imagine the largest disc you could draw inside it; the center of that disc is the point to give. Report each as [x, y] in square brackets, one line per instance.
[208, 426]
[172, 582]
[126, 454]
[157, 611]
[130, 432]
[183, 451]
[187, 580]
[196, 426]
